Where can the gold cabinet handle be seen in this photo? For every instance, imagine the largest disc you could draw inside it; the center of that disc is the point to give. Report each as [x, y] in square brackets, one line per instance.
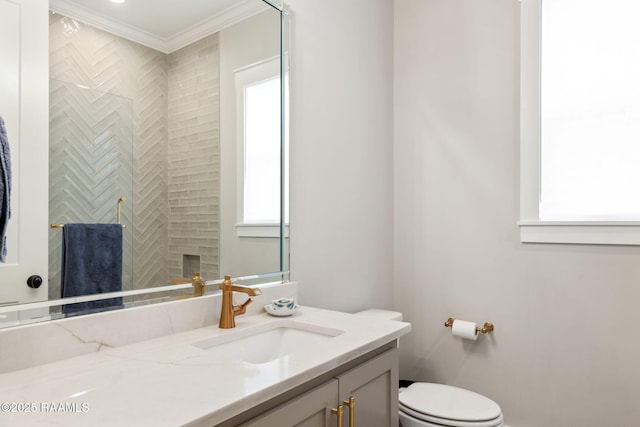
[338, 413]
[351, 403]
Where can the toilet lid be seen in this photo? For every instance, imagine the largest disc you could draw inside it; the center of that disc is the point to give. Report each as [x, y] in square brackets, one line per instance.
[448, 402]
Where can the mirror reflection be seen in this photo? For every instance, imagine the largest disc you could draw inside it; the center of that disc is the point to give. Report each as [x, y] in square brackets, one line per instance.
[164, 145]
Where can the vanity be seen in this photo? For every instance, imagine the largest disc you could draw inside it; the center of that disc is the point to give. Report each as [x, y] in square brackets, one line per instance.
[267, 371]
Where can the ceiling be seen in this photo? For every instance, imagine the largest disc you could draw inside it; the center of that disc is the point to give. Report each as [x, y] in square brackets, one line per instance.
[164, 25]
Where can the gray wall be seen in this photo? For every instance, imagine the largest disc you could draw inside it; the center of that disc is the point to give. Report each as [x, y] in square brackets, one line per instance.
[561, 355]
[341, 153]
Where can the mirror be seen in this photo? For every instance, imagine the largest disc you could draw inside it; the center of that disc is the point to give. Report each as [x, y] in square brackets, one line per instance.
[159, 122]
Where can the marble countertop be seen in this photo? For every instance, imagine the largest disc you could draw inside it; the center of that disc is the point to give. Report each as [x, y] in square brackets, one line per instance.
[167, 381]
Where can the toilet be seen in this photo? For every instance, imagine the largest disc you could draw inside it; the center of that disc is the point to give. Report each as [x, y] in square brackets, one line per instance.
[438, 405]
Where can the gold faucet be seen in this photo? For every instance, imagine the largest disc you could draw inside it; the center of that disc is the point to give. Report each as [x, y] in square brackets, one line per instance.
[198, 285]
[230, 311]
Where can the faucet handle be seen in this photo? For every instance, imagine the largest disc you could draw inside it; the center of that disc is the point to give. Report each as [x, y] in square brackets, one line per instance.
[226, 284]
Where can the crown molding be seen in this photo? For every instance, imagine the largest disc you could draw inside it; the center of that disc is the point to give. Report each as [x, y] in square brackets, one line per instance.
[240, 11]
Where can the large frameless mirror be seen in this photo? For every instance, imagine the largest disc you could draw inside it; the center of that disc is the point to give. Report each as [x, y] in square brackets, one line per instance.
[170, 126]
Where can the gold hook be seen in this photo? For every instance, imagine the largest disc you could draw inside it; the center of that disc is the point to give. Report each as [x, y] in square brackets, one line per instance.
[120, 200]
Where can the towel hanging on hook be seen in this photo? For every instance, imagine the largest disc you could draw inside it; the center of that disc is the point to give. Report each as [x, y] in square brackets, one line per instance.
[5, 189]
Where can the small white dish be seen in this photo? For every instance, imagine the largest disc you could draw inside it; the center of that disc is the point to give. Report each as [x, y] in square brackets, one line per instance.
[283, 303]
[281, 312]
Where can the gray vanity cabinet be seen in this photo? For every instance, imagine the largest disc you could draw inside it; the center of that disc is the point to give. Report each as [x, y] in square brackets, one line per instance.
[311, 409]
[373, 384]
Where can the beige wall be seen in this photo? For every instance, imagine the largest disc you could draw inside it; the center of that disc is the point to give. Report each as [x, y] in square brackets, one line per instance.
[561, 354]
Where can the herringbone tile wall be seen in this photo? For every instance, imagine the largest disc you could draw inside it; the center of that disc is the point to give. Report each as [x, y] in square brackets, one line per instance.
[90, 165]
[121, 90]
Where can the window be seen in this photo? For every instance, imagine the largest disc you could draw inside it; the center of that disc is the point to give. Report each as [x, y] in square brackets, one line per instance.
[259, 150]
[580, 122]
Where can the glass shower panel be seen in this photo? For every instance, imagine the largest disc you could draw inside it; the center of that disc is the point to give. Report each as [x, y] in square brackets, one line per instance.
[90, 167]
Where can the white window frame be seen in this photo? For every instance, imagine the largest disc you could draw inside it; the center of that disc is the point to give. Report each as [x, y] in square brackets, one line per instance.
[532, 229]
[263, 70]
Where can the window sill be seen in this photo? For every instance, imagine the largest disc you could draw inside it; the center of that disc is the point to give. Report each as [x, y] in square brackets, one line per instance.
[580, 232]
[260, 230]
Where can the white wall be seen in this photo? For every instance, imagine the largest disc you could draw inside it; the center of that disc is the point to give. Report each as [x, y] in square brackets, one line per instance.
[341, 152]
[561, 354]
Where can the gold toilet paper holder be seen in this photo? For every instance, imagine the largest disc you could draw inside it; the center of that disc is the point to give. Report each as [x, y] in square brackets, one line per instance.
[487, 327]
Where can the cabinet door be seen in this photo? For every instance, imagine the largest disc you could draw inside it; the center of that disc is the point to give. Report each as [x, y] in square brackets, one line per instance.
[374, 387]
[24, 106]
[311, 409]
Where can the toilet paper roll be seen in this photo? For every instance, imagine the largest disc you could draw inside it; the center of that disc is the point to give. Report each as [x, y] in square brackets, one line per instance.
[464, 329]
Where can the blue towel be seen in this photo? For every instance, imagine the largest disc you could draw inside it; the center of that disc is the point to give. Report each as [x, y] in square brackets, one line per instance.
[91, 264]
[5, 189]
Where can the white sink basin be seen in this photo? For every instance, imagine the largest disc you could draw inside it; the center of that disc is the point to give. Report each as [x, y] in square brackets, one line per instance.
[263, 344]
